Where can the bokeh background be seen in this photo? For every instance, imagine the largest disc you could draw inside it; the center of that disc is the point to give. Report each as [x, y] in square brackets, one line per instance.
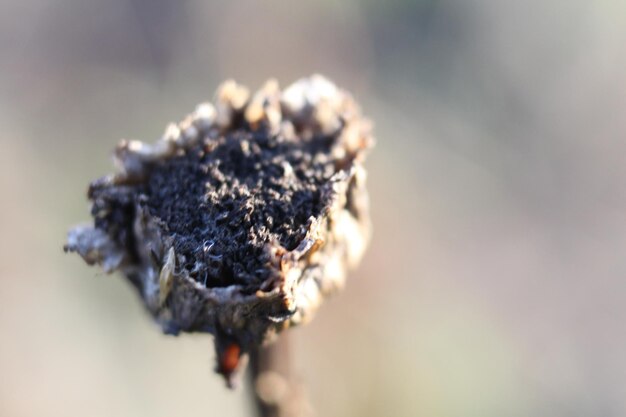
[495, 282]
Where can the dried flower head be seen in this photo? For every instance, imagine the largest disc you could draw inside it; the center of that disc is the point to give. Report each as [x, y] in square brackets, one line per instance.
[242, 217]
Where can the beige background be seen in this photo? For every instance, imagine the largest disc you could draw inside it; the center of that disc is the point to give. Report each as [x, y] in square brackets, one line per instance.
[494, 285]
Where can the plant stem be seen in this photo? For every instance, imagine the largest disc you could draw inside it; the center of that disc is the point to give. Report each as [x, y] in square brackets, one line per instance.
[276, 392]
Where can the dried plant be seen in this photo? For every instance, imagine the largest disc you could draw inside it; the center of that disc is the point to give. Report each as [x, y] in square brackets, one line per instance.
[242, 218]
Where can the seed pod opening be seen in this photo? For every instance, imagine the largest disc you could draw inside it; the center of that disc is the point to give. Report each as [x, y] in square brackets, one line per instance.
[242, 217]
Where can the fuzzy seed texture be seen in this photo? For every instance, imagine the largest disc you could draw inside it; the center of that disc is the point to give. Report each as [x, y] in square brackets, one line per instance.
[243, 217]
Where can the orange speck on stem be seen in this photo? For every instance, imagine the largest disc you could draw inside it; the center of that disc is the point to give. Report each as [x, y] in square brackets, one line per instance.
[230, 358]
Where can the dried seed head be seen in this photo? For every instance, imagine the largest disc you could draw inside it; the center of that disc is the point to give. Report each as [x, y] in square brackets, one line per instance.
[242, 218]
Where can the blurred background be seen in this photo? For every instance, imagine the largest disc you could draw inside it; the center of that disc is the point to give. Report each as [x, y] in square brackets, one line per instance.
[494, 285]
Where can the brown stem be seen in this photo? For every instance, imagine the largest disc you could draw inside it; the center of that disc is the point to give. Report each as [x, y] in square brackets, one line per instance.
[276, 392]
